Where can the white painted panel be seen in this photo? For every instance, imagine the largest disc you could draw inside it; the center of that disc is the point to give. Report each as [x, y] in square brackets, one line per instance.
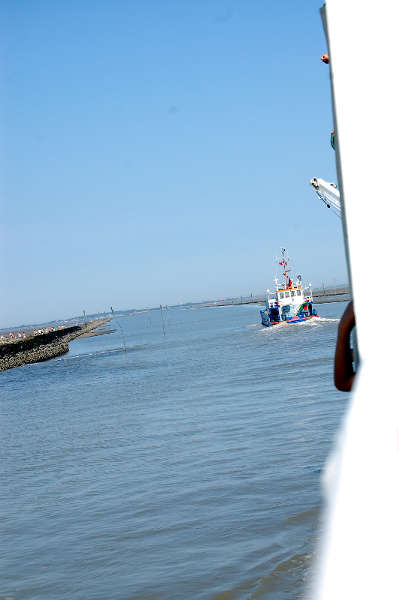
[360, 555]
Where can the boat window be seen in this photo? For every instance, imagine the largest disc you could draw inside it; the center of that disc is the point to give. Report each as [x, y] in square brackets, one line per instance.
[287, 294]
[298, 292]
[292, 292]
[281, 294]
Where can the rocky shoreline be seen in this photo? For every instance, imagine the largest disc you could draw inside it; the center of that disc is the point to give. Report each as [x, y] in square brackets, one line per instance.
[44, 346]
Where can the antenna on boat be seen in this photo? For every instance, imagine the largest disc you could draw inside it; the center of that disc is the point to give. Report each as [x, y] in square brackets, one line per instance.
[284, 263]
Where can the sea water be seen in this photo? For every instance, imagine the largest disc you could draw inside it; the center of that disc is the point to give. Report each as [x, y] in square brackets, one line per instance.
[184, 465]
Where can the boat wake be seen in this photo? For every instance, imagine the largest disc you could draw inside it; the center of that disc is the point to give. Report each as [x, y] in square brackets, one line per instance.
[316, 321]
[324, 320]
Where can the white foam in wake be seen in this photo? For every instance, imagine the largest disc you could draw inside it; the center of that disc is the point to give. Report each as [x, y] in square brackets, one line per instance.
[310, 323]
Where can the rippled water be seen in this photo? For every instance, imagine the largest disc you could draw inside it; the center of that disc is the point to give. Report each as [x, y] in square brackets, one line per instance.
[186, 467]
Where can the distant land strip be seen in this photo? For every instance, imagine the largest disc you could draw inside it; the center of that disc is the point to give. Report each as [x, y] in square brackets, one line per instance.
[38, 348]
[322, 296]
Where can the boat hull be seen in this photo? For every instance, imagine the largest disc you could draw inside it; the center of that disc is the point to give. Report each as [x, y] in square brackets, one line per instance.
[289, 321]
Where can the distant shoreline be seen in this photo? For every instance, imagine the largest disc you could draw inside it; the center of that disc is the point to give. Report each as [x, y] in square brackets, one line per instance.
[319, 297]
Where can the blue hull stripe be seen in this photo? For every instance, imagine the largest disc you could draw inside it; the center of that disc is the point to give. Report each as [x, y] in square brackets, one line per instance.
[289, 322]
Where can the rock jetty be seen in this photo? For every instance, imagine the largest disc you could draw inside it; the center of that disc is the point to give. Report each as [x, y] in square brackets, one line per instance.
[44, 346]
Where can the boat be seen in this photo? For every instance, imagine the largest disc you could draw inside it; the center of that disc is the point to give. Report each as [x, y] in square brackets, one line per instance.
[291, 303]
[328, 193]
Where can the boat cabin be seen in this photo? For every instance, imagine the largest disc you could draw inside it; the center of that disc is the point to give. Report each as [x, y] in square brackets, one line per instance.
[291, 295]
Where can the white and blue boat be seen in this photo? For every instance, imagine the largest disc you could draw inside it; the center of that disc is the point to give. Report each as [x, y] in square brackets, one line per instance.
[291, 303]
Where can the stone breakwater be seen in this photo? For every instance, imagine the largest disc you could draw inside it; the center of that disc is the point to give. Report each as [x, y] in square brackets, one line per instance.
[44, 346]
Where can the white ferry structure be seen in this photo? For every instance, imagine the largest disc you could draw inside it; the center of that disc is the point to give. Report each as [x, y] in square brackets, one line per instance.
[291, 303]
[328, 193]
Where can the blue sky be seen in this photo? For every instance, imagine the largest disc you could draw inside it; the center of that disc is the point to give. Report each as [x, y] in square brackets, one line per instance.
[160, 152]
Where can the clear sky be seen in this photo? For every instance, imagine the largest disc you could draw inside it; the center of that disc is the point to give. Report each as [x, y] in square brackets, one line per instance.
[160, 152]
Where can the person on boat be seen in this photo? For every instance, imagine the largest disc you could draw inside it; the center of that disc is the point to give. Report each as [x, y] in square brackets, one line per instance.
[332, 139]
[275, 315]
[344, 374]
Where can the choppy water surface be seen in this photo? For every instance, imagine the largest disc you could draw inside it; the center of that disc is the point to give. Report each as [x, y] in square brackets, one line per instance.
[186, 467]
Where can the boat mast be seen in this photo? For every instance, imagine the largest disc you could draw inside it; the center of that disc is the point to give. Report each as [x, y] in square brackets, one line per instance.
[284, 264]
